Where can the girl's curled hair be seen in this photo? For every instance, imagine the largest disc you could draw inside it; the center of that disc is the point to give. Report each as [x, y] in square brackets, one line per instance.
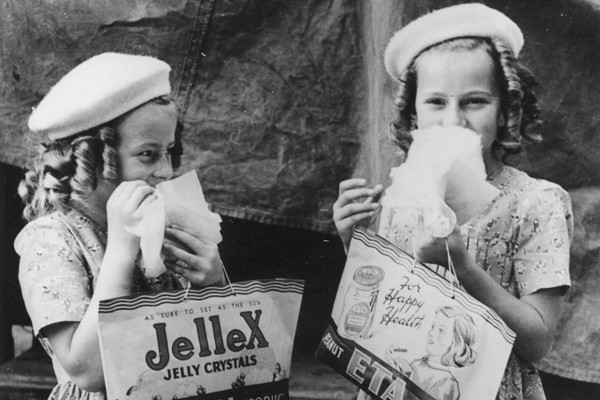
[66, 170]
[517, 101]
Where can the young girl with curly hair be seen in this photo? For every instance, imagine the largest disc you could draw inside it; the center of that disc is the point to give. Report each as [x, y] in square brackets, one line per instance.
[458, 67]
[112, 134]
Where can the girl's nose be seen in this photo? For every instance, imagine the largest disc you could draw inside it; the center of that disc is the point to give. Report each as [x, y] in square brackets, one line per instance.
[454, 117]
[164, 169]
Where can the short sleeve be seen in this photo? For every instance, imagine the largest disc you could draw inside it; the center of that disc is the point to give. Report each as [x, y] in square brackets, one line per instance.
[52, 274]
[545, 226]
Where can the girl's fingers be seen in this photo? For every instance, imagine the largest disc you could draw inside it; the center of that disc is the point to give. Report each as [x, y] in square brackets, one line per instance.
[200, 270]
[353, 195]
[354, 190]
[357, 183]
[351, 184]
[350, 197]
[179, 269]
[190, 241]
[354, 208]
[377, 192]
[129, 195]
[178, 253]
[199, 277]
[139, 194]
[125, 189]
[354, 219]
[149, 199]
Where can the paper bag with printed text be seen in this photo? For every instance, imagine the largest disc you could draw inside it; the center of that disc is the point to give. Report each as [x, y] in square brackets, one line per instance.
[201, 344]
[400, 330]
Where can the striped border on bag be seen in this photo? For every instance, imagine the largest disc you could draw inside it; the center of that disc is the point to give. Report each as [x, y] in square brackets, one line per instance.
[432, 276]
[285, 286]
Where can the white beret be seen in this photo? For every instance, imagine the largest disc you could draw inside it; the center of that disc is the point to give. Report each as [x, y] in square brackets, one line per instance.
[463, 20]
[98, 90]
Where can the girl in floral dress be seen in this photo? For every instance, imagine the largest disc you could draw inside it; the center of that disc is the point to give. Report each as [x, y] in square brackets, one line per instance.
[111, 134]
[458, 67]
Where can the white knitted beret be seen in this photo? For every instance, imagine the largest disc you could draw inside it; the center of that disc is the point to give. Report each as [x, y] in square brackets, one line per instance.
[463, 20]
[97, 91]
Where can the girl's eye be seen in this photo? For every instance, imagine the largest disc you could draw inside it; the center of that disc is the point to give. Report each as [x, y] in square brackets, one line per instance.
[477, 101]
[155, 155]
[436, 101]
[148, 156]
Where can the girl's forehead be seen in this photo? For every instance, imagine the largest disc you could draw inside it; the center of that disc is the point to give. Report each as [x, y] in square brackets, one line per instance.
[150, 122]
[456, 68]
[452, 56]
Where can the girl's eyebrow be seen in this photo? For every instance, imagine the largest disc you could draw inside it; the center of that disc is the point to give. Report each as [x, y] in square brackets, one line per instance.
[480, 92]
[433, 93]
[146, 144]
[153, 144]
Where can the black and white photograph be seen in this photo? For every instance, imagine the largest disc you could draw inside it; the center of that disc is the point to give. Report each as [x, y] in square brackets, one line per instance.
[299, 199]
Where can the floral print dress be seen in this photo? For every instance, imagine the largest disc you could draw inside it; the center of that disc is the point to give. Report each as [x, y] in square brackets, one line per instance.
[522, 240]
[61, 255]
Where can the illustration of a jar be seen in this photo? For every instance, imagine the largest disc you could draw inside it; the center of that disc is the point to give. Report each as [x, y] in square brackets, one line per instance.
[360, 302]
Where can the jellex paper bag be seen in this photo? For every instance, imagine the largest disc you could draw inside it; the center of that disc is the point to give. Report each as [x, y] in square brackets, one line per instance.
[400, 330]
[201, 344]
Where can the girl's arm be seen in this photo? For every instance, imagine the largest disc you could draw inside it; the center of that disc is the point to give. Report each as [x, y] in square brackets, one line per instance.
[532, 317]
[76, 345]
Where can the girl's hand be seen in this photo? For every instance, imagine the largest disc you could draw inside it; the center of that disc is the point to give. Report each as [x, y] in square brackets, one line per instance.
[432, 250]
[202, 264]
[124, 208]
[355, 203]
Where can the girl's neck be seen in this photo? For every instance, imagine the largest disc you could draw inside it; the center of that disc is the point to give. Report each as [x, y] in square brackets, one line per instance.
[94, 205]
[93, 211]
[435, 362]
[492, 164]
[98, 216]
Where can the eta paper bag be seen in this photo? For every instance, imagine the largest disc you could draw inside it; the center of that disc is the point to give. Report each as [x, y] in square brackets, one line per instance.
[401, 330]
[201, 344]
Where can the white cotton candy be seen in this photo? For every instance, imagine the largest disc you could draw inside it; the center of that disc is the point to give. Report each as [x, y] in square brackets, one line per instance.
[187, 208]
[443, 181]
[179, 202]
